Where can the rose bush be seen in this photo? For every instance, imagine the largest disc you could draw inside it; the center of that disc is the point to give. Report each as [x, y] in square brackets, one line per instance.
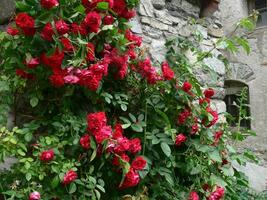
[97, 119]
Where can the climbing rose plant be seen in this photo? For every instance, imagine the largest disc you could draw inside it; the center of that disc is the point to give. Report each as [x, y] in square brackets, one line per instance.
[97, 120]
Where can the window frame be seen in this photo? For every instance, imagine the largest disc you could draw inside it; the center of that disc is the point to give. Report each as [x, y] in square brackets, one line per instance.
[252, 6]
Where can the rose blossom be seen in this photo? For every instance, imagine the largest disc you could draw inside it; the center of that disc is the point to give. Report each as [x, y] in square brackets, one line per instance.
[209, 93]
[47, 32]
[193, 196]
[108, 20]
[167, 72]
[55, 60]
[69, 177]
[181, 138]
[92, 21]
[90, 52]
[96, 121]
[26, 23]
[68, 47]
[187, 86]
[23, 74]
[33, 63]
[139, 163]
[217, 137]
[47, 156]
[85, 141]
[131, 179]
[135, 146]
[35, 196]
[48, 4]
[12, 31]
[217, 194]
[62, 27]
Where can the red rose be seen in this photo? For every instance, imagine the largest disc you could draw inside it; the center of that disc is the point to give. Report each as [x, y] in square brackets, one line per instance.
[12, 31]
[104, 133]
[57, 80]
[214, 120]
[193, 196]
[69, 177]
[133, 38]
[204, 101]
[21, 73]
[92, 21]
[217, 137]
[135, 145]
[131, 179]
[90, 52]
[118, 131]
[96, 121]
[217, 194]
[187, 86]
[68, 47]
[148, 71]
[122, 146]
[47, 156]
[33, 63]
[117, 160]
[167, 72]
[181, 138]
[55, 60]
[48, 4]
[62, 27]
[85, 141]
[108, 20]
[183, 116]
[78, 29]
[35, 196]
[93, 3]
[194, 129]
[128, 14]
[119, 6]
[71, 79]
[139, 163]
[209, 93]
[47, 32]
[26, 23]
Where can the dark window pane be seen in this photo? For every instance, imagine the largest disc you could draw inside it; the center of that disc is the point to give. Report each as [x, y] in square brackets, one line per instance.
[260, 4]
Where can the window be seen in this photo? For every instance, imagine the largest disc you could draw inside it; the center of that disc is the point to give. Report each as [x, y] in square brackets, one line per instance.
[261, 7]
[208, 7]
[233, 90]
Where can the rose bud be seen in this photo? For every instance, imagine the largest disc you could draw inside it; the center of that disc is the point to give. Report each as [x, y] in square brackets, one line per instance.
[181, 138]
[48, 4]
[35, 196]
[47, 156]
[69, 177]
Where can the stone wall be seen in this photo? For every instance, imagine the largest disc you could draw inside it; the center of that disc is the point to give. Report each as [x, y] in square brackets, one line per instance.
[159, 20]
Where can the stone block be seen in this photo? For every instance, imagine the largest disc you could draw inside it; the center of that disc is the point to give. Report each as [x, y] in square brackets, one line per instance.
[159, 4]
[7, 9]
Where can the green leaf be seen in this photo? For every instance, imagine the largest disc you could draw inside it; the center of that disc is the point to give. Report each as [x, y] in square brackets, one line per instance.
[166, 149]
[215, 156]
[55, 182]
[28, 137]
[133, 118]
[28, 176]
[164, 116]
[100, 188]
[137, 128]
[34, 101]
[93, 155]
[73, 188]
[103, 6]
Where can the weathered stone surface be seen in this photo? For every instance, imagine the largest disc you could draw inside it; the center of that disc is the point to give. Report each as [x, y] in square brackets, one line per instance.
[7, 164]
[240, 71]
[7, 9]
[158, 50]
[215, 32]
[256, 175]
[136, 25]
[158, 4]
[146, 8]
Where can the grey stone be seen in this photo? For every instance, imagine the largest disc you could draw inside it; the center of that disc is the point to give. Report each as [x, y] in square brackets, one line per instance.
[7, 164]
[146, 8]
[203, 31]
[255, 173]
[218, 105]
[215, 32]
[154, 23]
[136, 25]
[239, 71]
[158, 4]
[7, 9]
[158, 50]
